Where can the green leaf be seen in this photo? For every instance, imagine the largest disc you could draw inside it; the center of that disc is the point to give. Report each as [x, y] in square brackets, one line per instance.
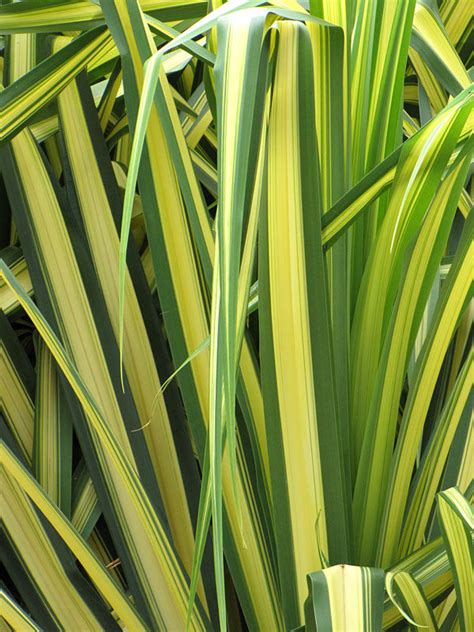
[457, 525]
[344, 597]
[306, 462]
[17, 478]
[146, 524]
[407, 595]
[183, 294]
[33, 90]
[415, 184]
[14, 616]
[52, 459]
[429, 567]
[428, 476]
[453, 300]
[17, 388]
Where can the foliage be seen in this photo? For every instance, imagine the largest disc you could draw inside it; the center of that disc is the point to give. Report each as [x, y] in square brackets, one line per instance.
[236, 275]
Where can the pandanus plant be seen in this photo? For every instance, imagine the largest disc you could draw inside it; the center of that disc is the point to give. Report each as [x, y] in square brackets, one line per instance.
[236, 275]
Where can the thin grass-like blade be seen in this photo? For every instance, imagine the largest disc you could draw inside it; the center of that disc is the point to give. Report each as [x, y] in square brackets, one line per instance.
[240, 92]
[184, 299]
